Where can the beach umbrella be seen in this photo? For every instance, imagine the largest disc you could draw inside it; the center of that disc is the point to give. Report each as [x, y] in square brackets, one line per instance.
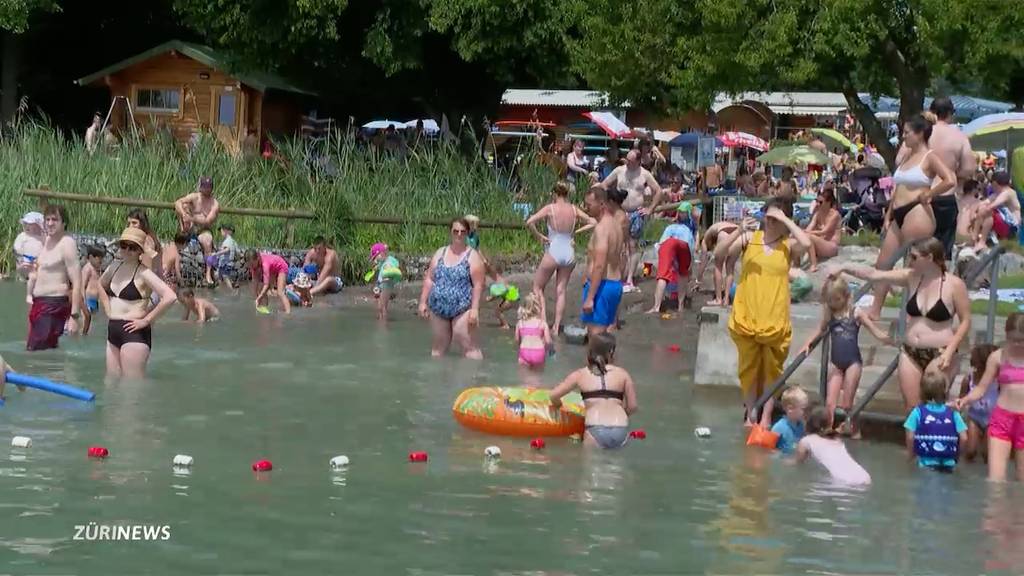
[792, 155]
[996, 131]
[734, 139]
[610, 124]
[833, 138]
[383, 125]
[665, 135]
[429, 125]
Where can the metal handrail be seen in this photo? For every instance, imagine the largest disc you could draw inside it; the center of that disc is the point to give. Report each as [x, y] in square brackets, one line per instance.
[991, 260]
[796, 362]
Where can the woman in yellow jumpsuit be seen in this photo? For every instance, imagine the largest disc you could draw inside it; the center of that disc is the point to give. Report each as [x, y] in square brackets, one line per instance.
[760, 324]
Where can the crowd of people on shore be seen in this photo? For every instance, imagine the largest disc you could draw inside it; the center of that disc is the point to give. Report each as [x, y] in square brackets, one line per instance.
[934, 173]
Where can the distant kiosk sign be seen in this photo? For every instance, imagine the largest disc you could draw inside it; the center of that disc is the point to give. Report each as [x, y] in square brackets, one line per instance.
[705, 152]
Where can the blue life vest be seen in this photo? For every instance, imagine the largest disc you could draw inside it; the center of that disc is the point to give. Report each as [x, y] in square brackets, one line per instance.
[936, 435]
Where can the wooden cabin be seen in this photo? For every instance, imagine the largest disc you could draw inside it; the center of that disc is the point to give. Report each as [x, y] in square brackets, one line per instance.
[189, 88]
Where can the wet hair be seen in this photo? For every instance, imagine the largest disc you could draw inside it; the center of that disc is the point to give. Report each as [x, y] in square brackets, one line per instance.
[942, 107]
[529, 308]
[782, 203]
[979, 358]
[56, 210]
[1015, 323]
[818, 422]
[186, 293]
[794, 396]
[934, 386]
[834, 286]
[920, 124]
[561, 190]
[181, 238]
[251, 256]
[95, 252]
[319, 240]
[1001, 178]
[970, 186]
[600, 352]
[933, 247]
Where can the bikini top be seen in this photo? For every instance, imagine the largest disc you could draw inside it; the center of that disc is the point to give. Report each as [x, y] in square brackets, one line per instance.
[939, 312]
[603, 393]
[912, 177]
[130, 292]
[1010, 374]
[531, 331]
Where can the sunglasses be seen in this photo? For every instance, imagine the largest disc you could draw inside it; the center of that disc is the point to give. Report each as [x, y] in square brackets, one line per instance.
[127, 246]
[458, 231]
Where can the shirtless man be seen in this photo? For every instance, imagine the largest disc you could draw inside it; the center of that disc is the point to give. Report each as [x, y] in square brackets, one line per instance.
[56, 288]
[604, 262]
[954, 149]
[1004, 199]
[723, 267]
[196, 214]
[326, 261]
[713, 177]
[633, 179]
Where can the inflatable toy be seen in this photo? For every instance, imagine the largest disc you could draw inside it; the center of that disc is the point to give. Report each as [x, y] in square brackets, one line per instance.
[518, 412]
[763, 437]
[50, 386]
[293, 296]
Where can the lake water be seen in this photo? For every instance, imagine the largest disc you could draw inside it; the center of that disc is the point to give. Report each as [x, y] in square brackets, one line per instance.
[330, 381]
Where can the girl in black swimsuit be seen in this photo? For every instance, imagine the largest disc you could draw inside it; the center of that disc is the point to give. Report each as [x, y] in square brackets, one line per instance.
[129, 331]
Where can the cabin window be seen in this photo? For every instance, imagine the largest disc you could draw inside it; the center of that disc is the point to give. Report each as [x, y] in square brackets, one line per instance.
[226, 109]
[158, 100]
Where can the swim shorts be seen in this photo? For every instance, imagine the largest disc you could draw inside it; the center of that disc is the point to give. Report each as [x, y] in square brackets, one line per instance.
[606, 303]
[93, 303]
[46, 321]
[636, 224]
[1007, 426]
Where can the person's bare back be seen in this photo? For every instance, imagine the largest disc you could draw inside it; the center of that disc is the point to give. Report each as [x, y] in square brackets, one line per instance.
[608, 237]
[954, 149]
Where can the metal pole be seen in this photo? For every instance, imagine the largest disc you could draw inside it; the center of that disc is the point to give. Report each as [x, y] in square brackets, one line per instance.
[874, 389]
[901, 322]
[826, 344]
[993, 299]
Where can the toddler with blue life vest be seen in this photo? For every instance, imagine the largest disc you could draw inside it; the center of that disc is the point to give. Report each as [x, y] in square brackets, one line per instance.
[935, 430]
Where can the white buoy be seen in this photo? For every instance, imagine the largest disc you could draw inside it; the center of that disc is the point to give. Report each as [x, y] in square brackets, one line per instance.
[182, 461]
[492, 452]
[339, 462]
[21, 442]
[702, 432]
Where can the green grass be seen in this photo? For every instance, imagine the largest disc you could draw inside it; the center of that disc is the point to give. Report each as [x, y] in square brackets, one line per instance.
[979, 307]
[438, 183]
[865, 238]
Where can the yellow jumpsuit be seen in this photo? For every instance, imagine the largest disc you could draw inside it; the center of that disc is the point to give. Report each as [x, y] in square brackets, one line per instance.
[759, 324]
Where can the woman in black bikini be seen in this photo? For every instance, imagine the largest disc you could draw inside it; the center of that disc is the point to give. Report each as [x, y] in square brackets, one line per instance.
[931, 341]
[129, 284]
[920, 176]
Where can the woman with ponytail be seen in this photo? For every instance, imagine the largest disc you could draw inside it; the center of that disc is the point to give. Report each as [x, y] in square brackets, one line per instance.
[609, 395]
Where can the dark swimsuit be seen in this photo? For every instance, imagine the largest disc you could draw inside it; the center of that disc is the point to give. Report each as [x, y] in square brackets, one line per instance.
[606, 436]
[117, 335]
[900, 214]
[845, 351]
[939, 312]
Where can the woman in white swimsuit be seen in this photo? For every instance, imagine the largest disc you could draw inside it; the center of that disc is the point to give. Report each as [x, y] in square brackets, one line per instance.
[560, 256]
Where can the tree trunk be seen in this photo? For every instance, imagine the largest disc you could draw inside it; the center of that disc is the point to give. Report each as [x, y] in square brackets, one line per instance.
[9, 76]
[872, 127]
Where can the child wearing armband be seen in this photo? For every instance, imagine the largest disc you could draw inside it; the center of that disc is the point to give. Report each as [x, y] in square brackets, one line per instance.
[388, 275]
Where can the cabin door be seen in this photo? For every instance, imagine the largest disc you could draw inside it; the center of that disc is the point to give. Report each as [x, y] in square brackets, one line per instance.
[226, 116]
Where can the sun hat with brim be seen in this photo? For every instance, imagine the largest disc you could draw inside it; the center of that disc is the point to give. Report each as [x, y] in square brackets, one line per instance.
[33, 218]
[137, 237]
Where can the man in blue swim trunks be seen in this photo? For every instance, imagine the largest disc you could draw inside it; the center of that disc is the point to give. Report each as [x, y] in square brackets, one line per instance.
[634, 180]
[604, 261]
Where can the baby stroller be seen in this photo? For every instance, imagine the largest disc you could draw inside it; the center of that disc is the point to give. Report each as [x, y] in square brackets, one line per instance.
[870, 212]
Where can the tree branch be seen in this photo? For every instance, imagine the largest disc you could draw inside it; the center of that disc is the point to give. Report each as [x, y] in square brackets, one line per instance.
[873, 128]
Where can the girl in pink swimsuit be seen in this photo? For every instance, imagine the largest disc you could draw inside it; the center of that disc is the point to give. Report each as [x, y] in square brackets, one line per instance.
[1006, 423]
[532, 333]
[268, 271]
[823, 444]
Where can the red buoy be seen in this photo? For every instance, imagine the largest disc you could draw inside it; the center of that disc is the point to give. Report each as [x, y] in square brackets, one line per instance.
[262, 466]
[537, 443]
[417, 456]
[98, 452]
[674, 348]
[639, 434]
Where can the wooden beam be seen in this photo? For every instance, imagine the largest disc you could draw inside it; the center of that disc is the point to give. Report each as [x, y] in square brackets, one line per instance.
[47, 194]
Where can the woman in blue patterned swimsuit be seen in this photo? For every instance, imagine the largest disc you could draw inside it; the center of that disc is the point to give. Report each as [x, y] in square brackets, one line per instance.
[451, 294]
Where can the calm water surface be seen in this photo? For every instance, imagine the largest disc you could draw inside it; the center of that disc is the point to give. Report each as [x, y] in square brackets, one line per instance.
[332, 381]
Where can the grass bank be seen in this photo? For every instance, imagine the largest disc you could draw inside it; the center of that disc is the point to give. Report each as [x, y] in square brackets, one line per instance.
[342, 182]
[978, 306]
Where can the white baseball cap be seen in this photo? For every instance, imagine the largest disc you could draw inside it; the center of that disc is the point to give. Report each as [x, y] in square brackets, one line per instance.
[32, 218]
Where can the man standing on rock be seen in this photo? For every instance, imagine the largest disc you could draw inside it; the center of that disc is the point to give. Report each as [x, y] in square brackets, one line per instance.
[197, 213]
[326, 261]
[604, 262]
[56, 289]
[633, 179]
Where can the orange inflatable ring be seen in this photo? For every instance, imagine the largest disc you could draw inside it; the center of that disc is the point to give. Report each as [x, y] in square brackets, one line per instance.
[518, 412]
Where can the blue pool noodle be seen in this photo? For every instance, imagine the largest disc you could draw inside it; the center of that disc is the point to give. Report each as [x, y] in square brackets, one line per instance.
[50, 386]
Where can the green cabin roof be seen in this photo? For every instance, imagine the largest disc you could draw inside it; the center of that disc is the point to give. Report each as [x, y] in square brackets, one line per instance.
[261, 81]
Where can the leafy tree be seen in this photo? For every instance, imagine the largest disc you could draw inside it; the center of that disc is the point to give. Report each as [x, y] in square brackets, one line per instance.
[678, 55]
[14, 21]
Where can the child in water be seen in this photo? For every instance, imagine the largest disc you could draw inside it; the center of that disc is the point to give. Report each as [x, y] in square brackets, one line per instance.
[979, 412]
[823, 444]
[506, 299]
[532, 334]
[934, 430]
[609, 395]
[843, 322]
[204, 310]
[91, 283]
[171, 258]
[790, 427]
[388, 275]
[1006, 423]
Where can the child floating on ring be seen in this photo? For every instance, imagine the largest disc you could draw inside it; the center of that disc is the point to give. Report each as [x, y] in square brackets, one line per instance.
[388, 272]
[532, 334]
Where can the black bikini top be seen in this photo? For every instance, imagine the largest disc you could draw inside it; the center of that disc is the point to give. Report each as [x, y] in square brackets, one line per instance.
[938, 313]
[603, 393]
[130, 292]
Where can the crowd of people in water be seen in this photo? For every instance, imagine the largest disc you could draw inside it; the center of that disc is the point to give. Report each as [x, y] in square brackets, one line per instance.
[935, 173]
